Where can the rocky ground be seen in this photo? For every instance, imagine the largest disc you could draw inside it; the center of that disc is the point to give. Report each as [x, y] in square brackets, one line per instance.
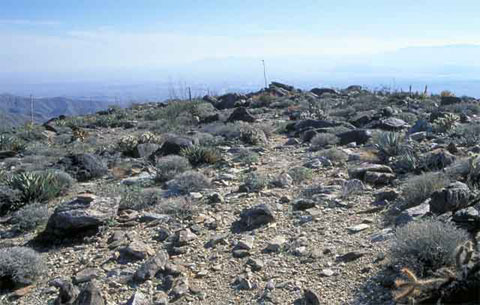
[308, 220]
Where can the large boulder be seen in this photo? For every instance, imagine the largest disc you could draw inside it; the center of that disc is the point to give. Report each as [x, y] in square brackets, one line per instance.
[151, 267]
[229, 100]
[81, 216]
[359, 136]
[308, 124]
[144, 150]
[241, 114]
[172, 146]
[373, 174]
[320, 91]
[83, 167]
[392, 124]
[455, 196]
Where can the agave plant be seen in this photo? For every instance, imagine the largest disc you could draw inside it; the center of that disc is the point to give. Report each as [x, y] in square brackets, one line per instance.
[11, 143]
[391, 144]
[198, 155]
[35, 186]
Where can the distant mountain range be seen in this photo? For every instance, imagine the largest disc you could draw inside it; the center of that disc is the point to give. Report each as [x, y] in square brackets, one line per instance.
[15, 110]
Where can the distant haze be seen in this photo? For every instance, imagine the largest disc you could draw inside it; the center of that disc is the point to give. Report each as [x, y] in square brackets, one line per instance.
[123, 50]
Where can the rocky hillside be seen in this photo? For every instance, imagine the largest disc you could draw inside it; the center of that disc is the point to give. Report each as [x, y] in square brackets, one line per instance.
[16, 110]
[280, 196]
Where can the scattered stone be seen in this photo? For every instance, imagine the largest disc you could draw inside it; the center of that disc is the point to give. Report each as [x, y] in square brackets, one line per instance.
[358, 228]
[350, 256]
[139, 298]
[256, 216]
[151, 267]
[276, 244]
[68, 292]
[90, 295]
[246, 243]
[413, 213]
[184, 237]
[255, 264]
[85, 275]
[303, 204]
[83, 167]
[138, 250]
[311, 297]
[327, 272]
[359, 136]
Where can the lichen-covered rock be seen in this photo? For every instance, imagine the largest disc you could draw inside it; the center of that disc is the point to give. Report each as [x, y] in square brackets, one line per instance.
[455, 196]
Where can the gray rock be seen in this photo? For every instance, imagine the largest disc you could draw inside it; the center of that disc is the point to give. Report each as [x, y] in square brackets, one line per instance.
[303, 204]
[350, 256]
[151, 267]
[180, 288]
[320, 91]
[255, 264]
[455, 196]
[81, 216]
[90, 295]
[241, 114]
[172, 146]
[418, 136]
[311, 297]
[257, 216]
[229, 100]
[276, 244]
[184, 237]
[144, 150]
[413, 213]
[359, 136]
[378, 178]
[137, 250]
[216, 198]
[85, 275]
[392, 124]
[359, 172]
[68, 291]
[139, 298]
[83, 167]
[358, 228]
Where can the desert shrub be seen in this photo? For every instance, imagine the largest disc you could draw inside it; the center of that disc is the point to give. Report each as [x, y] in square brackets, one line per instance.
[300, 174]
[246, 156]
[408, 117]
[177, 115]
[9, 142]
[247, 133]
[335, 155]
[30, 217]
[39, 186]
[206, 139]
[136, 198]
[419, 188]
[322, 140]
[462, 108]
[178, 207]
[170, 166]
[426, 245]
[253, 136]
[189, 181]
[390, 144]
[446, 123]
[263, 101]
[446, 93]
[468, 135]
[198, 155]
[254, 182]
[20, 265]
[31, 132]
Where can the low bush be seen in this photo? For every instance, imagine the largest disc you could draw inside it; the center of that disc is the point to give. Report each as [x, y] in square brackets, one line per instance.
[40, 186]
[335, 155]
[178, 207]
[322, 140]
[254, 182]
[8, 142]
[300, 174]
[198, 155]
[426, 245]
[20, 266]
[189, 181]
[136, 198]
[29, 218]
[419, 188]
[170, 166]
[246, 156]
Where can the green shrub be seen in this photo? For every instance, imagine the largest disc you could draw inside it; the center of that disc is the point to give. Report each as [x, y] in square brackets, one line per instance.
[468, 135]
[390, 144]
[335, 155]
[20, 265]
[178, 207]
[419, 188]
[8, 142]
[254, 182]
[426, 245]
[246, 156]
[39, 186]
[322, 140]
[189, 181]
[170, 166]
[136, 198]
[198, 155]
[300, 174]
[30, 217]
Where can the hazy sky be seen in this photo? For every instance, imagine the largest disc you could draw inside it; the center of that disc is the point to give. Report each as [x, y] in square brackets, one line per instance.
[91, 35]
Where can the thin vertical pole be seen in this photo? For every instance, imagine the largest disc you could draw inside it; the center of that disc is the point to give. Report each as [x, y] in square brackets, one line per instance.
[264, 73]
[189, 94]
[31, 108]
